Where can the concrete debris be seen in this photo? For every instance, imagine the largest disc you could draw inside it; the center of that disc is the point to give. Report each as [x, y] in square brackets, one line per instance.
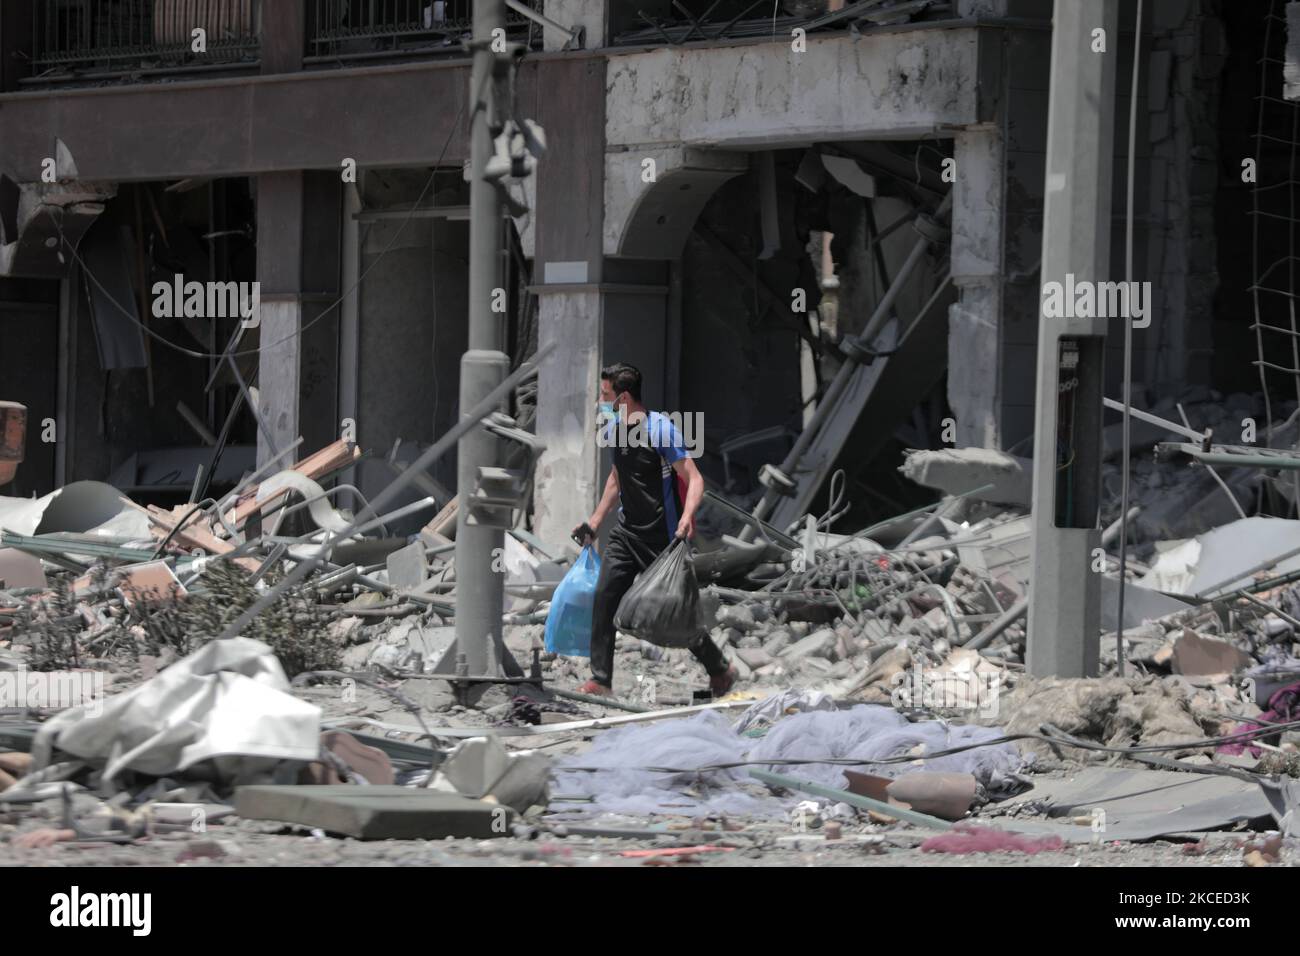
[889, 646]
[959, 470]
[1111, 711]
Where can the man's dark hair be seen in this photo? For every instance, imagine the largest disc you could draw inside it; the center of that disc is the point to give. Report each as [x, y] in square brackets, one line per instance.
[623, 378]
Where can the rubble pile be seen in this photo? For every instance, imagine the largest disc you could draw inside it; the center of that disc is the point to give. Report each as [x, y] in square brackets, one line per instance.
[880, 687]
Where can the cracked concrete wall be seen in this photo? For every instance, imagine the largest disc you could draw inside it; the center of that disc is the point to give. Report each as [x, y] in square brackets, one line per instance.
[975, 320]
[997, 244]
[891, 85]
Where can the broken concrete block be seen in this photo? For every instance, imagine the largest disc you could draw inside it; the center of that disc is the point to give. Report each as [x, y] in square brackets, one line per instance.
[150, 583]
[818, 644]
[743, 671]
[356, 657]
[408, 567]
[778, 642]
[1195, 655]
[737, 616]
[754, 657]
[875, 685]
[958, 470]
[345, 630]
[377, 812]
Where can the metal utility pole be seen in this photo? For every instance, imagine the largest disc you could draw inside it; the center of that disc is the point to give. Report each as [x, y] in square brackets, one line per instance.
[479, 587]
[1065, 591]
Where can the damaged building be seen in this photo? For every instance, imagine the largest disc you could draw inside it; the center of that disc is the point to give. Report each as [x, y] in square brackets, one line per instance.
[841, 238]
[722, 208]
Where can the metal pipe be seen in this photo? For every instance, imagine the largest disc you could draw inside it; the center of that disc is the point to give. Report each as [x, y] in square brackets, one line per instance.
[1013, 614]
[479, 595]
[845, 374]
[545, 21]
[741, 514]
[1164, 423]
[469, 420]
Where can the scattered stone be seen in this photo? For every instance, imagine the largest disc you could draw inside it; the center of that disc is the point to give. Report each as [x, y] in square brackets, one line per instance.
[738, 616]
[754, 657]
[814, 645]
[777, 642]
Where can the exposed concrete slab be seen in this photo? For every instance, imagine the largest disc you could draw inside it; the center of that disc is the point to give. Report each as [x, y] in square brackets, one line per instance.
[892, 85]
[958, 470]
[376, 812]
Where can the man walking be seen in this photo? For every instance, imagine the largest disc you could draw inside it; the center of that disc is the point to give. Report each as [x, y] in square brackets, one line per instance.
[658, 489]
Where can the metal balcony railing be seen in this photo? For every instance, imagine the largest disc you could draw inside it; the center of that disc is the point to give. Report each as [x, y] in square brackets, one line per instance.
[77, 37]
[643, 22]
[342, 29]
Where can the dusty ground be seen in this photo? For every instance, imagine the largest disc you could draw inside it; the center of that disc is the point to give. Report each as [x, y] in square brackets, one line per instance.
[235, 842]
[249, 843]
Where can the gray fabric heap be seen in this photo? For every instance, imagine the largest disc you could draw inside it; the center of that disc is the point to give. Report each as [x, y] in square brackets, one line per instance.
[864, 732]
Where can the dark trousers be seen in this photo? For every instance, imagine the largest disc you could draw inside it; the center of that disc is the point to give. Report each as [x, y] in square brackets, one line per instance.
[624, 557]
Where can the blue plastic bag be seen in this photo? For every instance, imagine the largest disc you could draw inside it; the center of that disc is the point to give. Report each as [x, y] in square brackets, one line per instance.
[568, 625]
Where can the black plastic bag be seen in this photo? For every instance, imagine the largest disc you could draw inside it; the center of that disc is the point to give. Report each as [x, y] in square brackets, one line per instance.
[663, 605]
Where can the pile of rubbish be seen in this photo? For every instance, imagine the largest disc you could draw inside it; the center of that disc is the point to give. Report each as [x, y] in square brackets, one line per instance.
[243, 656]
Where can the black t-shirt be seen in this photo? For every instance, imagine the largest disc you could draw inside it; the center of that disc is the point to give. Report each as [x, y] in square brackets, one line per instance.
[649, 496]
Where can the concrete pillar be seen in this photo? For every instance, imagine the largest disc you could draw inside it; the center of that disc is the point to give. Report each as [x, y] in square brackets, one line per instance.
[279, 258]
[298, 243]
[566, 480]
[567, 272]
[279, 270]
[975, 320]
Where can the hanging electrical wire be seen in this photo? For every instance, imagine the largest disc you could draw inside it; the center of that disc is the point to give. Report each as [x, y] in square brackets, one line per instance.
[193, 353]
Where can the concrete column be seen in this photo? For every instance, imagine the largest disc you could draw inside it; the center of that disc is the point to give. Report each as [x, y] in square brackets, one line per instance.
[279, 258]
[298, 250]
[279, 270]
[975, 320]
[279, 373]
[567, 480]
